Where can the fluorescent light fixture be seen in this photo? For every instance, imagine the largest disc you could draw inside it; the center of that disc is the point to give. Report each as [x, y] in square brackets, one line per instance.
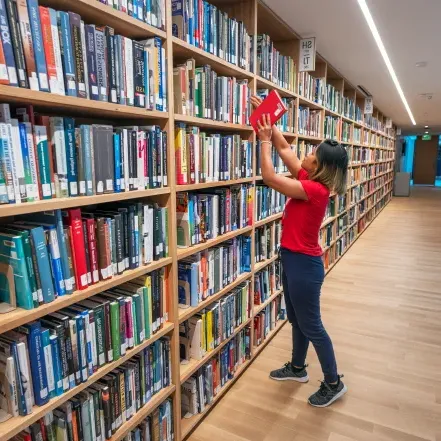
[426, 127]
[376, 35]
[426, 131]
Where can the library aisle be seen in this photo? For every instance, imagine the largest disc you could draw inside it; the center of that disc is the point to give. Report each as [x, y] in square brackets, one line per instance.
[381, 305]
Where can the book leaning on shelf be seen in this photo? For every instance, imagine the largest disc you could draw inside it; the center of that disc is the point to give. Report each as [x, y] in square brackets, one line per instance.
[206, 273]
[205, 26]
[200, 389]
[46, 358]
[207, 329]
[44, 157]
[201, 92]
[207, 157]
[55, 253]
[55, 51]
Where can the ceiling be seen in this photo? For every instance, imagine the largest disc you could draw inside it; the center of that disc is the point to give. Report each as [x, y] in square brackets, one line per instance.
[411, 33]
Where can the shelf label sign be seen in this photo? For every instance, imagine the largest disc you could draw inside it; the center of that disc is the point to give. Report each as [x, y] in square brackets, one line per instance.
[427, 137]
[369, 106]
[307, 54]
[388, 123]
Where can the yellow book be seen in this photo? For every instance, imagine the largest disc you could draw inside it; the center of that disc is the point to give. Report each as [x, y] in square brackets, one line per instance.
[203, 331]
[181, 153]
[152, 326]
[209, 331]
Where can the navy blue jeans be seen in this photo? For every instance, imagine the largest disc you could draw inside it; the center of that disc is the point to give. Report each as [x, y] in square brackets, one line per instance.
[302, 281]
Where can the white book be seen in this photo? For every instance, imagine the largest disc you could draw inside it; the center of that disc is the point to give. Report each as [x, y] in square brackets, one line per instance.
[18, 163]
[141, 142]
[126, 159]
[59, 142]
[189, 398]
[215, 215]
[56, 84]
[195, 337]
[129, 71]
[25, 374]
[92, 418]
[8, 162]
[163, 74]
[33, 189]
[8, 387]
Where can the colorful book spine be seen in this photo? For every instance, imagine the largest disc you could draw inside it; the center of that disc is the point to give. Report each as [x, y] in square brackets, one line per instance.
[71, 156]
[57, 85]
[8, 50]
[77, 53]
[67, 56]
[42, 150]
[91, 62]
[26, 163]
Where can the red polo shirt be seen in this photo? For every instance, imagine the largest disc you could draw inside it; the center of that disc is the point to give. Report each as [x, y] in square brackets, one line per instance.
[302, 219]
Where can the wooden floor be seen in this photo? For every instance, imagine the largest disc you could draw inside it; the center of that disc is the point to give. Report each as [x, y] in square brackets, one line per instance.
[382, 307]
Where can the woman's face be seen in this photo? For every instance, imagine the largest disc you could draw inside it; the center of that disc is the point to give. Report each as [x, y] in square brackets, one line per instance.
[310, 162]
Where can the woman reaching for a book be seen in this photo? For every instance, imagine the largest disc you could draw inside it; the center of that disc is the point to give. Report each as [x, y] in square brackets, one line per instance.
[321, 172]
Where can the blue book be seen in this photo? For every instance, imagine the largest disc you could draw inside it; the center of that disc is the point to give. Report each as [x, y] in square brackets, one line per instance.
[195, 25]
[13, 271]
[26, 162]
[89, 356]
[7, 45]
[56, 365]
[66, 53]
[54, 252]
[82, 347]
[37, 39]
[38, 238]
[117, 162]
[47, 351]
[37, 361]
[91, 61]
[87, 153]
[71, 156]
[246, 255]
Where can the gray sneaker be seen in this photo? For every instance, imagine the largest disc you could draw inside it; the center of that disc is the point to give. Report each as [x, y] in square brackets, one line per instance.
[288, 372]
[327, 394]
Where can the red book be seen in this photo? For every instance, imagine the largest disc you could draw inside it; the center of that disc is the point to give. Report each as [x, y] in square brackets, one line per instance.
[93, 250]
[273, 105]
[77, 245]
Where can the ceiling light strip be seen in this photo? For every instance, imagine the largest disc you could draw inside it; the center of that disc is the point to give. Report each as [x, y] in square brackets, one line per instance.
[376, 35]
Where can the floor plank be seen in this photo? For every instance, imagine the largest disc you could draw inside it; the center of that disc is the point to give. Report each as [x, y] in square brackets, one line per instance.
[381, 305]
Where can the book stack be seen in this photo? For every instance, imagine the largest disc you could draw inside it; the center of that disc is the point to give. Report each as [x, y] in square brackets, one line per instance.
[205, 26]
[312, 88]
[273, 66]
[207, 329]
[304, 149]
[57, 252]
[44, 157]
[333, 98]
[268, 202]
[55, 51]
[207, 157]
[279, 165]
[46, 358]
[267, 282]
[200, 390]
[348, 108]
[150, 12]
[332, 128]
[208, 214]
[266, 320]
[267, 240]
[204, 274]
[310, 122]
[287, 122]
[346, 131]
[201, 92]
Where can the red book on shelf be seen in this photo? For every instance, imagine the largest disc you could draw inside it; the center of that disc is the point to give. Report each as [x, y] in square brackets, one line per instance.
[273, 105]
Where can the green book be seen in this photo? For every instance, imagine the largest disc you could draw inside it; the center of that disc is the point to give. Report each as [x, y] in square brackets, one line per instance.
[199, 110]
[115, 330]
[44, 171]
[136, 321]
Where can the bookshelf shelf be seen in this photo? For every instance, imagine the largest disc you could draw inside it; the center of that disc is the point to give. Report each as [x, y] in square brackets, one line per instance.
[76, 106]
[187, 370]
[310, 138]
[261, 347]
[16, 424]
[267, 220]
[305, 102]
[263, 83]
[286, 174]
[203, 185]
[212, 124]
[21, 316]
[331, 112]
[185, 252]
[261, 265]
[185, 314]
[81, 201]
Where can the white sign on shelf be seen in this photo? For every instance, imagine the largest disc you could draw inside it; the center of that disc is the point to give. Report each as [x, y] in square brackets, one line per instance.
[368, 105]
[307, 54]
[388, 123]
[398, 131]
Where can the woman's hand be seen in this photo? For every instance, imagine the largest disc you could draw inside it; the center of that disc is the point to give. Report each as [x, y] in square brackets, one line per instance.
[256, 101]
[264, 126]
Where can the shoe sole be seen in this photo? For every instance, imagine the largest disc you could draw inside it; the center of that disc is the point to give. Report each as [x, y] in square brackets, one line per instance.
[298, 379]
[339, 395]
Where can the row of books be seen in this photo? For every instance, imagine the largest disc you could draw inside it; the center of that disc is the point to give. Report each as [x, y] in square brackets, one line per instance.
[326, 235]
[267, 282]
[332, 128]
[310, 122]
[348, 107]
[304, 149]
[266, 240]
[268, 202]
[342, 203]
[205, 273]
[361, 154]
[200, 389]
[279, 165]
[273, 66]
[46, 358]
[150, 12]
[333, 99]
[201, 92]
[207, 329]
[207, 157]
[205, 26]
[88, 415]
[358, 115]
[267, 319]
[312, 88]
[330, 208]
[208, 214]
[46, 157]
[356, 135]
[346, 131]
[55, 51]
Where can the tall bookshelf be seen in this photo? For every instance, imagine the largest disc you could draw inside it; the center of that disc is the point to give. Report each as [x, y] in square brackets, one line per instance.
[369, 186]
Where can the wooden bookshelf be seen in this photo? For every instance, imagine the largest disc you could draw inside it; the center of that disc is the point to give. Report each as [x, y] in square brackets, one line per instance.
[259, 19]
